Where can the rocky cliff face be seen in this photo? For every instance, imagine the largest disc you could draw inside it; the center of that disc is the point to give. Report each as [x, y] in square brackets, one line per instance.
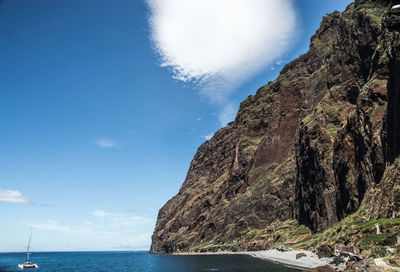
[310, 146]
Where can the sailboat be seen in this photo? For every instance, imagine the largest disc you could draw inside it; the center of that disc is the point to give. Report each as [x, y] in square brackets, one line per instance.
[27, 263]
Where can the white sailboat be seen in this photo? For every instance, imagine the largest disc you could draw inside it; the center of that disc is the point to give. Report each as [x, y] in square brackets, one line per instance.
[27, 263]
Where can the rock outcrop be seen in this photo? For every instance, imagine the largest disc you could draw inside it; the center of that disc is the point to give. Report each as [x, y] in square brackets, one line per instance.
[313, 145]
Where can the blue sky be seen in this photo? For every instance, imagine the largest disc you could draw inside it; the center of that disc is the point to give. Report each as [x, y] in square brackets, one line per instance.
[96, 134]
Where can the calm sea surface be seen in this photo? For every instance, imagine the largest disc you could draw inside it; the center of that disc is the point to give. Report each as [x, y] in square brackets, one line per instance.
[138, 261]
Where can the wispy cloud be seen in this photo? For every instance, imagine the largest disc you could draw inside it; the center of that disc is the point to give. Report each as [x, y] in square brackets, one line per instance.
[96, 235]
[56, 226]
[219, 44]
[106, 225]
[99, 213]
[10, 196]
[120, 219]
[227, 114]
[106, 143]
[208, 137]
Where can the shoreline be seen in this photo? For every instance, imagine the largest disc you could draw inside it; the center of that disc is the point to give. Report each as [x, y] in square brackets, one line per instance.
[287, 258]
[309, 261]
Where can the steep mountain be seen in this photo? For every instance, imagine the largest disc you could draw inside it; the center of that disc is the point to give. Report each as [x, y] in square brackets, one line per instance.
[309, 148]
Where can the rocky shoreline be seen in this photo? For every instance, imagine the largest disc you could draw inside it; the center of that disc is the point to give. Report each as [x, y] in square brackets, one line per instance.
[306, 260]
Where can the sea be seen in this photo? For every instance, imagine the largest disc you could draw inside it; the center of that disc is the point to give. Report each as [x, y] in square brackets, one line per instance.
[137, 262]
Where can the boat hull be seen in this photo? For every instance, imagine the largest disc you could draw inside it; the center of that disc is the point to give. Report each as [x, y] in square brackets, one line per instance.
[28, 265]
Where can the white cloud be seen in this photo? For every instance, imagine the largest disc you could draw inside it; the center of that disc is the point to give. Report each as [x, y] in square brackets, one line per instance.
[103, 230]
[129, 221]
[99, 213]
[120, 219]
[10, 196]
[220, 43]
[228, 114]
[208, 137]
[106, 143]
[55, 226]
[107, 224]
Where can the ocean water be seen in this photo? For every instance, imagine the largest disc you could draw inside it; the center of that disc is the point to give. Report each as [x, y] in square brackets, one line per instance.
[136, 262]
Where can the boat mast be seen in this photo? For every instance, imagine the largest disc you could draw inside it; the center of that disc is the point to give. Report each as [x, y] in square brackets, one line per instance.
[29, 245]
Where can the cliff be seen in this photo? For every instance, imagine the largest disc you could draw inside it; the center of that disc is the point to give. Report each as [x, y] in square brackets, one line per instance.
[309, 148]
